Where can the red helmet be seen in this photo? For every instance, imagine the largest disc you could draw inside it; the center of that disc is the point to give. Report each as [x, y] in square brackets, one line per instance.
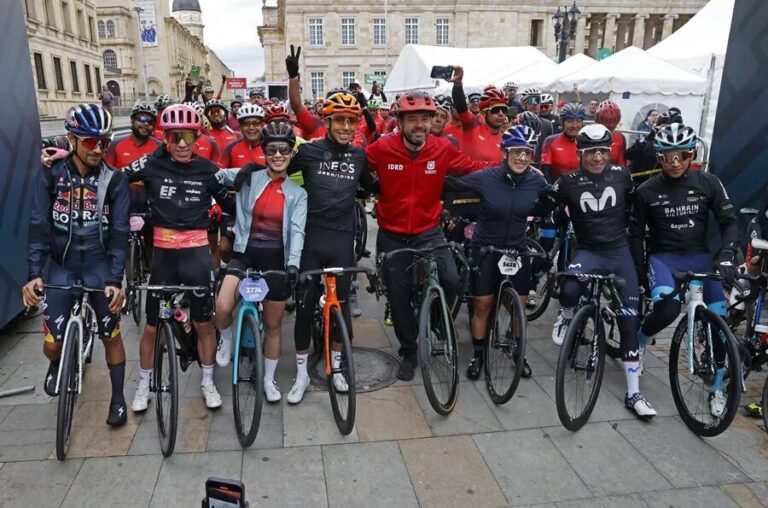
[491, 97]
[416, 102]
[608, 114]
[274, 111]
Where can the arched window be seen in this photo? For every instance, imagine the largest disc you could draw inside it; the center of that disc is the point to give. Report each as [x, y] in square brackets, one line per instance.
[111, 29]
[102, 30]
[110, 58]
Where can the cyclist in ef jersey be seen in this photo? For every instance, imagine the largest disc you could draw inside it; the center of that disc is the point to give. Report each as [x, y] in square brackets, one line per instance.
[124, 150]
[508, 192]
[609, 114]
[598, 196]
[79, 228]
[181, 187]
[675, 206]
[559, 153]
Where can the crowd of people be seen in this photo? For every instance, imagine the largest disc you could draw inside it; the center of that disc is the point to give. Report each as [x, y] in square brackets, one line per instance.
[268, 184]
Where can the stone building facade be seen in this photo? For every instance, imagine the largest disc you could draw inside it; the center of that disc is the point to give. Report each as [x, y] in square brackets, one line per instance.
[351, 41]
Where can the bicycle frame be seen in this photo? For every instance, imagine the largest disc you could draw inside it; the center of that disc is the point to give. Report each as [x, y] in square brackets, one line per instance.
[80, 314]
[432, 282]
[695, 299]
[331, 301]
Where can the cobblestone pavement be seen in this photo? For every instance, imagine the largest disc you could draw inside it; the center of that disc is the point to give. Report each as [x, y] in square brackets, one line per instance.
[401, 453]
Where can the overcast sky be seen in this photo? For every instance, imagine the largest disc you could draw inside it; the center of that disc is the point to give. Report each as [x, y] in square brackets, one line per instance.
[230, 30]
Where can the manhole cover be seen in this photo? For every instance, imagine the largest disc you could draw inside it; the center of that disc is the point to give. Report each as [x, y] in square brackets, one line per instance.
[374, 370]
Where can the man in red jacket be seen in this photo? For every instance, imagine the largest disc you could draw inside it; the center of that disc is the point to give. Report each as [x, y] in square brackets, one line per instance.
[411, 168]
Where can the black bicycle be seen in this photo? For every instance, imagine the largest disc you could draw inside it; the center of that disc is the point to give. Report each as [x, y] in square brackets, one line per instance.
[136, 270]
[543, 272]
[361, 229]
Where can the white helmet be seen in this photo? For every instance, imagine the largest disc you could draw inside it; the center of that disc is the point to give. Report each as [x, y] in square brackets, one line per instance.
[250, 111]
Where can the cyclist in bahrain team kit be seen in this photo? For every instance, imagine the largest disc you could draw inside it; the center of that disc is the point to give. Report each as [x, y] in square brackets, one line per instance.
[79, 222]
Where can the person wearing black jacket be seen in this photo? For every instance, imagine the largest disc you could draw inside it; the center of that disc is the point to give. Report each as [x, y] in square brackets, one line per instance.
[643, 162]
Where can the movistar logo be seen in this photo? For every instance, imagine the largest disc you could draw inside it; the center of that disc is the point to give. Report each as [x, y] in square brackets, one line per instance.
[588, 200]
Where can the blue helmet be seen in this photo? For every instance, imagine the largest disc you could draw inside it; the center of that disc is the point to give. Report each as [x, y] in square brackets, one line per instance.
[519, 136]
[89, 120]
[573, 111]
[675, 137]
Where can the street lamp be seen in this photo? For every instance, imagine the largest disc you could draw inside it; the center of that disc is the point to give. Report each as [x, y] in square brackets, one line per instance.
[565, 28]
[139, 10]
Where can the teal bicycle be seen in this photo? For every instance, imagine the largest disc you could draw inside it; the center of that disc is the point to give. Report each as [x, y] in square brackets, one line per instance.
[248, 363]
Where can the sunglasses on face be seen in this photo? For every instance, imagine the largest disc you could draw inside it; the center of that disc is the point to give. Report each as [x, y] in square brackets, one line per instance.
[344, 121]
[251, 123]
[92, 143]
[594, 152]
[533, 100]
[175, 137]
[498, 109]
[521, 153]
[678, 155]
[147, 119]
[284, 148]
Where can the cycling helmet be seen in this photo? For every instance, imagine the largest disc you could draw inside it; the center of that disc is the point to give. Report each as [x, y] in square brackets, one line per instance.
[341, 102]
[531, 91]
[216, 103]
[519, 136]
[334, 91]
[492, 97]
[529, 119]
[208, 89]
[573, 111]
[669, 118]
[143, 107]
[594, 135]
[277, 131]
[675, 137]
[197, 106]
[608, 114]
[416, 101]
[547, 99]
[510, 85]
[250, 111]
[444, 102]
[89, 120]
[274, 111]
[374, 104]
[384, 105]
[236, 101]
[473, 94]
[163, 101]
[180, 116]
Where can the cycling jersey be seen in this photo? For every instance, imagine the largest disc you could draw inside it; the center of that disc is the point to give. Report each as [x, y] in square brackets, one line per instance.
[478, 141]
[554, 120]
[618, 147]
[179, 194]
[206, 147]
[454, 129]
[233, 124]
[597, 205]
[158, 132]
[79, 219]
[559, 155]
[124, 150]
[411, 182]
[223, 137]
[313, 127]
[239, 153]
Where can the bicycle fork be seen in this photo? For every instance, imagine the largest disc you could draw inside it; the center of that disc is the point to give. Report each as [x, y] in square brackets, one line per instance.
[695, 299]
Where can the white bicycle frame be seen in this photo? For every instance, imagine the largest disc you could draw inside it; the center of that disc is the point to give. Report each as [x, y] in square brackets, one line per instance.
[77, 318]
[695, 298]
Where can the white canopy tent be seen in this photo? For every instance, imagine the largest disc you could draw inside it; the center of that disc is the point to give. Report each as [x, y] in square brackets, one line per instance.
[638, 82]
[482, 66]
[573, 64]
[699, 47]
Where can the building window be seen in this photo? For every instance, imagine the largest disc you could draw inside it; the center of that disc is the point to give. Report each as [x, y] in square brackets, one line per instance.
[379, 31]
[98, 78]
[347, 78]
[58, 73]
[90, 29]
[50, 17]
[442, 32]
[88, 84]
[102, 29]
[411, 30]
[75, 80]
[40, 71]
[347, 31]
[29, 8]
[317, 82]
[82, 32]
[110, 29]
[67, 17]
[316, 32]
[537, 32]
[110, 58]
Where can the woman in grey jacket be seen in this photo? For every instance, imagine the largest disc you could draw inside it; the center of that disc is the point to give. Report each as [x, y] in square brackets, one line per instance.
[269, 235]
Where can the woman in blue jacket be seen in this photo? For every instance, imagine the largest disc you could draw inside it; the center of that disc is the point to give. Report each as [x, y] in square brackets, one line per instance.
[508, 192]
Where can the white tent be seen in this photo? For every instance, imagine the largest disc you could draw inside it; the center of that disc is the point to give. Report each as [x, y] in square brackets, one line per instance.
[482, 66]
[573, 64]
[699, 47]
[637, 82]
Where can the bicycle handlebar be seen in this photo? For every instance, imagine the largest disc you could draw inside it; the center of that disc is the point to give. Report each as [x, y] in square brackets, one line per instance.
[171, 289]
[612, 278]
[307, 276]
[683, 280]
[77, 287]
[250, 273]
[489, 249]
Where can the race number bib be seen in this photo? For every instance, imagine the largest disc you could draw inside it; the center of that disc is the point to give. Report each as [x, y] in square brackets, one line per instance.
[253, 290]
[509, 265]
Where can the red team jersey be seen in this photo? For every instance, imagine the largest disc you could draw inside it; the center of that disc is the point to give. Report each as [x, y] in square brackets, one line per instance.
[123, 151]
[455, 130]
[223, 138]
[559, 151]
[239, 153]
[618, 149]
[478, 142]
[206, 147]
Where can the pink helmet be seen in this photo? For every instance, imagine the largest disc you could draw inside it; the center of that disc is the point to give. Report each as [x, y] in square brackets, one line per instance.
[180, 116]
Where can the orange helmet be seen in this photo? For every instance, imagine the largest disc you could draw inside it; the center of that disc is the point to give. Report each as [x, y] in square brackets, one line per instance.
[491, 97]
[341, 102]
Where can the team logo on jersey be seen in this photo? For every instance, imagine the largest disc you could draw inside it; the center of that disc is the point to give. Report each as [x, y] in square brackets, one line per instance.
[431, 170]
[588, 200]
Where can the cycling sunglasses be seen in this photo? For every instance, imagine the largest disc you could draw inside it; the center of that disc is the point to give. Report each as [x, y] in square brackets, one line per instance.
[533, 99]
[498, 109]
[90, 143]
[284, 148]
[175, 137]
[520, 153]
[147, 119]
[245, 124]
[679, 155]
[594, 152]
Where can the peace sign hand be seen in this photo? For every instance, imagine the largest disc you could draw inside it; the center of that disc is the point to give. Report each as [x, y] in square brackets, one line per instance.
[292, 62]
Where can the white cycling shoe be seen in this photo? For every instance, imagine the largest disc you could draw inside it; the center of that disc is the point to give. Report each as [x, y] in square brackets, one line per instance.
[640, 406]
[211, 396]
[272, 392]
[717, 403]
[340, 384]
[140, 399]
[224, 350]
[300, 385]
[559, 329]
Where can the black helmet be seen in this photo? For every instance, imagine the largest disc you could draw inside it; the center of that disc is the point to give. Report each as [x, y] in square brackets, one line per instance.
[143, 107]
[530, 119]
[278, 131]
[670, 117]
[216, 103]
[594, 135]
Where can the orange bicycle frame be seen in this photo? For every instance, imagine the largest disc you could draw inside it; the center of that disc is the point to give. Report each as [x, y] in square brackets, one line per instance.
[331, 301]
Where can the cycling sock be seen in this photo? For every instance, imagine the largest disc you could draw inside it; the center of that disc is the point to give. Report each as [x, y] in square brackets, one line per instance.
[144, 377]
[478, 345]
[719, 375]
[117, 376]
[270, 366]
[632, 373]
[207, 375]
[335, 359]
[301, 365]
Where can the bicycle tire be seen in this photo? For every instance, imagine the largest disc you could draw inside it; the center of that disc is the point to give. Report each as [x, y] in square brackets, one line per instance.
[568, 361]
[764, 402]
[67, 392]
[343, 404]
[361, 230]
[249, 383]
[695, 420]
[434, 338]
[504, 345]
[544, 285]
[139, 296]
[166, 391]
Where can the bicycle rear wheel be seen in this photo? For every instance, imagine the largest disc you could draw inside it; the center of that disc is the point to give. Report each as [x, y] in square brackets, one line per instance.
[691, 391]
[248, 383]
[135, 275]
[580, 369]
[343, 403]
[542, 274]
[361, 230]
[165, 380]
[439, 357]
[765, 405]
[505, 352]
[68, 387]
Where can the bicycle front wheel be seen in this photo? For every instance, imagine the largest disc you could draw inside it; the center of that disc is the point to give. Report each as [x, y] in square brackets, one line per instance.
[342, 400]
[166, 383]
[68, 387]
[361, 230]
[439, 357]
[248, 383]
[505, 352]
[580, 369]
[694, 392]
[765, 405]
[135, 274]
[542, 278]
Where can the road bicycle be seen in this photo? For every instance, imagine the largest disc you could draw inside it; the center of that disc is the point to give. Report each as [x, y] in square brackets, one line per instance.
[136, 270]
[543, 272]
[361, 229]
